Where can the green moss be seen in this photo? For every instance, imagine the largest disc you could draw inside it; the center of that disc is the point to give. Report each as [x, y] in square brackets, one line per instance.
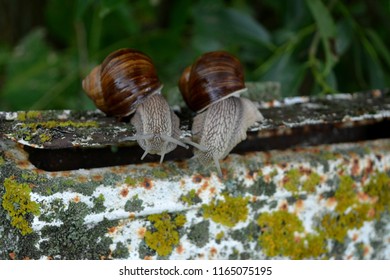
[379, 188]
[132, 181]
[75, 239]
[273, 173]
[28, 131]
[199, 233]
[17, 202]
[2, 161]
[190, 198]
[159, 174]
[54, 124]
[44, 137]
[278, 237]
[99, 204]
[228, 212]
[134, 204]
[164, 235]
[121, 251]
[260, 187]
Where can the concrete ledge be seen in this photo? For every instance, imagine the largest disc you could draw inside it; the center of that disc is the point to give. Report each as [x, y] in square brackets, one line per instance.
[321, 201]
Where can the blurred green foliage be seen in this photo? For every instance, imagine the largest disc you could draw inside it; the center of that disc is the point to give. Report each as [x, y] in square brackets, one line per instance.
[310, 46]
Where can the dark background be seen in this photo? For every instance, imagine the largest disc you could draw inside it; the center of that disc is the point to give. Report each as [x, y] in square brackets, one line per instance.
[311, 47]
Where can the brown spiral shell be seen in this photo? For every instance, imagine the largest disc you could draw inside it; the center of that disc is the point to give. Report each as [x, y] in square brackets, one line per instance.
[213, 76]
[121, 82]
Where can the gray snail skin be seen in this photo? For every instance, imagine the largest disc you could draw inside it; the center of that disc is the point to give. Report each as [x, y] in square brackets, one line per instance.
[212, 87]
[125, 83]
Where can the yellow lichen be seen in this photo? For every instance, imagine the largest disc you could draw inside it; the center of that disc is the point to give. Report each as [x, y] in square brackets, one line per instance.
[379, 188]
[282, 233]
[294, 181]
[228, 212]
[311, 182]
[345, 194]
[23, 116]
[220, 235]
[189, 197]
[17, 202]
[349, 212]
[165, 234]
[336, 225]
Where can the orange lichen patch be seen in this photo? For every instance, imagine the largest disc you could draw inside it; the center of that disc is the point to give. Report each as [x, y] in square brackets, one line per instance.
[376, 93]
[83, 179]
[331, 202]
[363, 197]
[213, 190]
[65, 174]
[39, 171]
[124, 192]
[122, 169]
[148, 258]
[366, 250]
[204, 187]
[283, 206]
[180, 249]
[355, 237]
[355, 169]
[283, 165]
[111, 230]
[147, 183]
[267, 178]
[268, 158]
[132, 216]
[304, 171]
[250, 175]
[182, 164]
[76, 199]
[12, 255]
[197, 178]
[371, 213]
[97, 178]
[213, 251]
[299, 205]
[141, 232]
[23, 164]
[370, 166]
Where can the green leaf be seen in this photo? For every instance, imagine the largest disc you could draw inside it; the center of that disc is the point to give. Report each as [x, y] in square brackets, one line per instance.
[379, 45]
[327, 30]
[243, 25]
[108, 6]
[323, 18]
[31, 71]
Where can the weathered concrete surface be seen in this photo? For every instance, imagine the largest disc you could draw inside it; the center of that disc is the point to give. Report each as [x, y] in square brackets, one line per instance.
[321, 202]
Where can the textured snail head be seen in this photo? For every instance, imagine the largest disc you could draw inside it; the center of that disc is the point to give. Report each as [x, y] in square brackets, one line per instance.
[123, 80]
[213, 76]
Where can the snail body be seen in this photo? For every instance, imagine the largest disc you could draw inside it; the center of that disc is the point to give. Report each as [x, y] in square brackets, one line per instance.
[211, 87]
[125, 83]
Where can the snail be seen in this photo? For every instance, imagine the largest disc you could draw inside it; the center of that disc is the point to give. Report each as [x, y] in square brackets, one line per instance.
[211, 87]
[125, 83]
